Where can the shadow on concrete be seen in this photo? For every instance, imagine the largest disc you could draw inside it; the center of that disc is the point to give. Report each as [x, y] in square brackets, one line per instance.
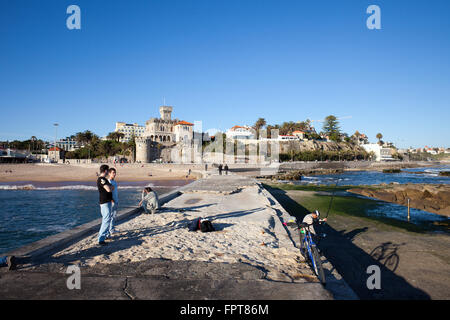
[352, 234]
[193, 209]
[235, 214]
[351, 261]
[386, 253]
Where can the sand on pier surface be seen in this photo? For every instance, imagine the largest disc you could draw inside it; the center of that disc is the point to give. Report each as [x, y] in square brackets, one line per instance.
[247, 231]
[87, 172]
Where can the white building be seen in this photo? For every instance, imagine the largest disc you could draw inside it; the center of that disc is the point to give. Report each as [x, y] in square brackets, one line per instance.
[299, 134]
[287, 137]
[241, 133]
[381, 154]
[183, 131]
[129, 130]
[67, 144]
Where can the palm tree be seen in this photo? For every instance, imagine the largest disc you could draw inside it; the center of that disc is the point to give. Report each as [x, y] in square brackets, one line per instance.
[33, 140]
[261, 122]
[116, 136]
[379, 137]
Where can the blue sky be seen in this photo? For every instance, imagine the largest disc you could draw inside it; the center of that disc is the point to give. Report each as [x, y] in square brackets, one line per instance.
[226, 63]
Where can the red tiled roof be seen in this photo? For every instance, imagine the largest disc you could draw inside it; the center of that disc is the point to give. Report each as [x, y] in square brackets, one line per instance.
[185, 123]
[53, 149]
[243, 127]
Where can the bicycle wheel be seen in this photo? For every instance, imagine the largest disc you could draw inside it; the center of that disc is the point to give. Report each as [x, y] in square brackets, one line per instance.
[303, 250]
[377, 253]
[317, 264]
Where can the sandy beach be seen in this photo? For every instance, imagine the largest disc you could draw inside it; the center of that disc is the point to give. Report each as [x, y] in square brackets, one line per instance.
[88, 172]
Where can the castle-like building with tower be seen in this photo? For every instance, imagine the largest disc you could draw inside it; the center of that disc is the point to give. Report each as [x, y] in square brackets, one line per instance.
[161, 133]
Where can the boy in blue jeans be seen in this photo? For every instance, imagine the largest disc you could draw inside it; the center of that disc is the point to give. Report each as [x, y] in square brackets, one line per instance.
[8, 261]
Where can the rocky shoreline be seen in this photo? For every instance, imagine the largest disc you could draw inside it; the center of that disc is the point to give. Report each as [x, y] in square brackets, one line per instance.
[433, 198]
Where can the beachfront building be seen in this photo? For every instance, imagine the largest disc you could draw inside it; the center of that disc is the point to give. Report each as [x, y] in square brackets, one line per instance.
[164, 131]
[67, 144]
[241, 133]
[161, 129]
[381, 154]
[55, 154]
[129, 130]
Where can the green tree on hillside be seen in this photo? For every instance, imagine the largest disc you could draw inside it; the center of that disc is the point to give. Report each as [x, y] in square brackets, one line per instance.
[331, 128]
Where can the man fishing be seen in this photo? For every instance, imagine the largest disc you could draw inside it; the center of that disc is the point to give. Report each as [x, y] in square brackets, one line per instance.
[312, 219]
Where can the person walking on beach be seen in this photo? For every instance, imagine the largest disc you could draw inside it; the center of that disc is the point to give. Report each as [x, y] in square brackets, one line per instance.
[150, 201]
[105, 192]
[115, 197]
[226, 169]
[220, 169]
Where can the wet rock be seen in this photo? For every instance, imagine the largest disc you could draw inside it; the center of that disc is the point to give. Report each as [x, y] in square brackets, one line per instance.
[428, 197]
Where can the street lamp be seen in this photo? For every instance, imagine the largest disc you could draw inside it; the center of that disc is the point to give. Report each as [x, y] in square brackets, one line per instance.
[56, 133]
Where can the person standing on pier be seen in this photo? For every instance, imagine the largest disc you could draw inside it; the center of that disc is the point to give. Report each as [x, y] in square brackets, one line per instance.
[105, 192]
[115, 197]
[226, 169]
[220, 169]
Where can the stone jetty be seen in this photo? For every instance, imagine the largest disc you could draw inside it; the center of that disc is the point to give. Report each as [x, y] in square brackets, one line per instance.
[251, 255]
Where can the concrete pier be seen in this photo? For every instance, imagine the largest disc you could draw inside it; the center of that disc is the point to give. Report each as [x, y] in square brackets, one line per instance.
[251, 255]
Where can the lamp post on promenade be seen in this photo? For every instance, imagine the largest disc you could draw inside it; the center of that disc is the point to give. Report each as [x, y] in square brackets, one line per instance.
[56, 134]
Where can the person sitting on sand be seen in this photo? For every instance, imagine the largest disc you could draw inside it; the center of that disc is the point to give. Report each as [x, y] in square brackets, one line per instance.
[149, 202]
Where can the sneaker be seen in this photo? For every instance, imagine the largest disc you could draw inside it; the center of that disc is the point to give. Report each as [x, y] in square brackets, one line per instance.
[11, 261]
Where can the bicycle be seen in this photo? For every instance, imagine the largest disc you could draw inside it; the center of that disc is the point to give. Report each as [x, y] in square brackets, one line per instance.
[308, 249]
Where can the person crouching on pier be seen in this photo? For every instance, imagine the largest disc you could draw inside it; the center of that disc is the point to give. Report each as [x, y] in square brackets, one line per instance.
[311, 220]
[150, 201]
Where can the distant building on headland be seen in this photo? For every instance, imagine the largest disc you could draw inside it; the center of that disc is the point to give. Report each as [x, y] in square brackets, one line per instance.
[241, 133]
[381, 154]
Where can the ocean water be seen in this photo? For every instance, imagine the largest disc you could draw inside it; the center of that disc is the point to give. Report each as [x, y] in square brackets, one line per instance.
[30, 211]
[381, 208]
[431, 175]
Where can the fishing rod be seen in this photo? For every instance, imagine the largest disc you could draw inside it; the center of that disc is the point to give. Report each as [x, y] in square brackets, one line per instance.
[332, 197]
